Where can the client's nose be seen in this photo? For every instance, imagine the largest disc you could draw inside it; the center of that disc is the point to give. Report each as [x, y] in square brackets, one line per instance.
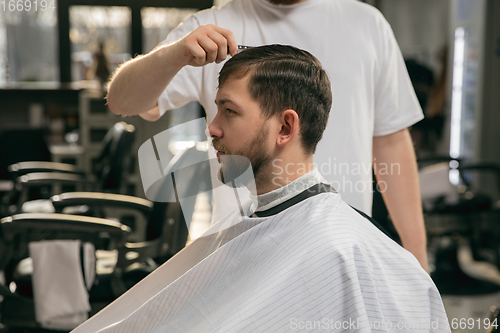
[214, 129]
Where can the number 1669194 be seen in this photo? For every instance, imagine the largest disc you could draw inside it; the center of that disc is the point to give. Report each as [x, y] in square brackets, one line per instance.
[26, 5]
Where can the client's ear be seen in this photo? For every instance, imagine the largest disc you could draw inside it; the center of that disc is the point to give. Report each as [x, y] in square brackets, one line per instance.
[289, 127]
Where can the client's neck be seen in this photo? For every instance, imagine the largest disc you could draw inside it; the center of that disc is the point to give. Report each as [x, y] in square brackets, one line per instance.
[282, 171]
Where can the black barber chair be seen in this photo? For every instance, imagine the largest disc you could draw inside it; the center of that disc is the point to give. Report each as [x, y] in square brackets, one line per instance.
[167, 233]
[165, 220]
[17, 307]
[109, 171]
[472, 217]
[134, 260]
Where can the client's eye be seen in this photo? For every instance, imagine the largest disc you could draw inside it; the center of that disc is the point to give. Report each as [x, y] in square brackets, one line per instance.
[230, 111]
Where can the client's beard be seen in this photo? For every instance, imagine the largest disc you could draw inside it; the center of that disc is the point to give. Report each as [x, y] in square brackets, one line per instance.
[235, 165]
[234, 170]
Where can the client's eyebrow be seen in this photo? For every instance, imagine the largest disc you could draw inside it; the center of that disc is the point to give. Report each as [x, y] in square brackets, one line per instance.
[232, 104]
[223, 101]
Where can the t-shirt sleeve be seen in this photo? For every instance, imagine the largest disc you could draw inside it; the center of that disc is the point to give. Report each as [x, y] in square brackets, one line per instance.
[186, 85]
[396, 105]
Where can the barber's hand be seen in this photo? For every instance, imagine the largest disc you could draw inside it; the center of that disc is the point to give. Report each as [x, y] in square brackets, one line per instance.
[204, 45]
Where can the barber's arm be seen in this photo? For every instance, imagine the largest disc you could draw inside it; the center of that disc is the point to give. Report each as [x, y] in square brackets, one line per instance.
[402, 192]
[137, 84]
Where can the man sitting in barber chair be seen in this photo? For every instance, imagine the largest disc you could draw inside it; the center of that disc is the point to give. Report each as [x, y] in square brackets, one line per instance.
[301, 258]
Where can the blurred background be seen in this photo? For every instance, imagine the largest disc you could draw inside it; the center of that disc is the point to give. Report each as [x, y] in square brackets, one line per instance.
[54, 65]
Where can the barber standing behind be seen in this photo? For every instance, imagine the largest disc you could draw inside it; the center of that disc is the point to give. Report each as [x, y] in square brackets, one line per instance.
[373, 101]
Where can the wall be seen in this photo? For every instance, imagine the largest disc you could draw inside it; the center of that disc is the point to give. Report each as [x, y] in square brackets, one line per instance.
[421, 27]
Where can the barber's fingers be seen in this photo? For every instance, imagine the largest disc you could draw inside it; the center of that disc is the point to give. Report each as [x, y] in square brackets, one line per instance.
[198, 54]
[221, 43]
[210, 47]
[231, 44]
[210, 43]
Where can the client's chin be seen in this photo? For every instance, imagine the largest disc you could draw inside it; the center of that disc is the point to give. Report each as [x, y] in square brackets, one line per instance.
[234, 170]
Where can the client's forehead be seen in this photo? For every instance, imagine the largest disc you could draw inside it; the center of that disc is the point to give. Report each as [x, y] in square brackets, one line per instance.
[234, 94]
[233, 89]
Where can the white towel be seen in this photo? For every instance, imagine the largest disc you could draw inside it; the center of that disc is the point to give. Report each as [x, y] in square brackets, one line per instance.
[38, 206]
[59, 290]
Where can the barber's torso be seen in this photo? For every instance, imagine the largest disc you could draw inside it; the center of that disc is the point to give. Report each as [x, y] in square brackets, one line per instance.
[349, 39]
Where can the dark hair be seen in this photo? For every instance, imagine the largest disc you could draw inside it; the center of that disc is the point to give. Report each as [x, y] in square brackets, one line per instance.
[285, 77]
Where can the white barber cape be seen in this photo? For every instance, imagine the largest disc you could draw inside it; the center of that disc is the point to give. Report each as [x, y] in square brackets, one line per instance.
[315, 266]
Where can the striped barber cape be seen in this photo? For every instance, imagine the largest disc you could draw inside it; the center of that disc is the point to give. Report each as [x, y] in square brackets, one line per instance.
[316, 266]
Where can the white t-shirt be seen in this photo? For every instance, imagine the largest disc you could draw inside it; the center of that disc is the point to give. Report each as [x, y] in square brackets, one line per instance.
[372, 93]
